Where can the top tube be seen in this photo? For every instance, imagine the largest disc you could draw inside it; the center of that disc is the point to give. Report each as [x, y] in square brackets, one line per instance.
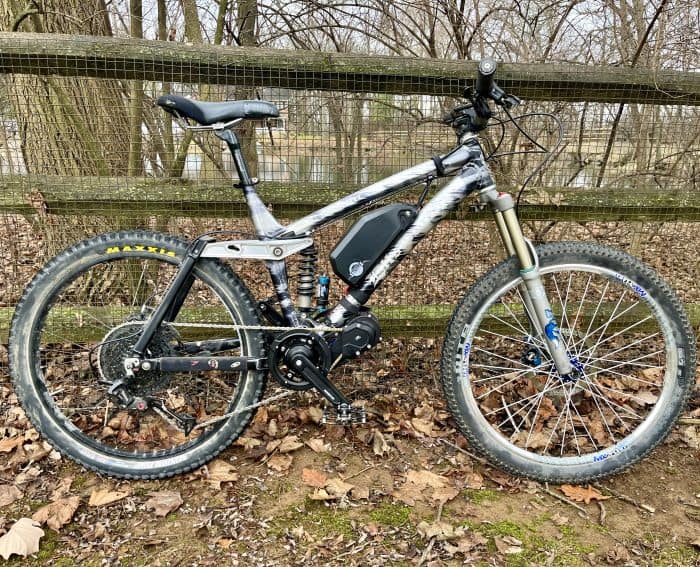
[451, 162]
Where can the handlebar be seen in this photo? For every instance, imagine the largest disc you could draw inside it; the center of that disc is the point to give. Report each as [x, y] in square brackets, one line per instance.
[475, 116]
[484, 77]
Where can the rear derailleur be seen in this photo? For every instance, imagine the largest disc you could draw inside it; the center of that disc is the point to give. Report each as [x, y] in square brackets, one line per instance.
[120, 393]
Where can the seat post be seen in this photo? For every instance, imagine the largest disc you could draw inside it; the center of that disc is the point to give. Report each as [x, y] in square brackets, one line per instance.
[265, 224]
[234, 147]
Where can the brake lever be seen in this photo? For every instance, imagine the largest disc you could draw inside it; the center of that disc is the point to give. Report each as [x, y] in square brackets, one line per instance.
[509, 101]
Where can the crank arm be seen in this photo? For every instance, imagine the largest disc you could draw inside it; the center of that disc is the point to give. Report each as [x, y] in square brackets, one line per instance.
[202, 363]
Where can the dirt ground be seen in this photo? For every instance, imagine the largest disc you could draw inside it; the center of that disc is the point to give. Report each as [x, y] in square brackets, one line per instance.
[402, 490]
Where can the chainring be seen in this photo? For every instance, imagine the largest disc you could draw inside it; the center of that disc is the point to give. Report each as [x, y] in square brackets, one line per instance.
[116, 347]
[320, 355]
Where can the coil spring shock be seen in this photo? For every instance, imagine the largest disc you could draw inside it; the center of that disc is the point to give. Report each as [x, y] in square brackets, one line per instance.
[307, 272]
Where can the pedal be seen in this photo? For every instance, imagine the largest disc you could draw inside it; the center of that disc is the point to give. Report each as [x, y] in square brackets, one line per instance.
[344, 415]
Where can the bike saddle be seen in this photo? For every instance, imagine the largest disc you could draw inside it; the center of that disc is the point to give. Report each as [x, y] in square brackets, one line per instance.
[208, 113]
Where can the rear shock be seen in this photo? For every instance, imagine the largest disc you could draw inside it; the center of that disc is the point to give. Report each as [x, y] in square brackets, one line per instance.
[307, 272]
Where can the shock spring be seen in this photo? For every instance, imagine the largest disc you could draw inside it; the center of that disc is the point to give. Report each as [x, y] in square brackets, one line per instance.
[307, 272]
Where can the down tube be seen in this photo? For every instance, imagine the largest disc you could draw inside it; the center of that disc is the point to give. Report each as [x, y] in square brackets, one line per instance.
[473, 177]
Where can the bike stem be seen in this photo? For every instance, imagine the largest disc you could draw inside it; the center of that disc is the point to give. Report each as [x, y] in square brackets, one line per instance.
[537, 306]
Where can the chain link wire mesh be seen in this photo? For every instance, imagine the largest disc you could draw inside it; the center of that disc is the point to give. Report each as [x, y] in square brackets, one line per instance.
[83, 150]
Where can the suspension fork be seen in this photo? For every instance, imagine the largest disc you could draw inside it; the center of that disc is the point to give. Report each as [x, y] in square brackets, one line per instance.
[537, 306]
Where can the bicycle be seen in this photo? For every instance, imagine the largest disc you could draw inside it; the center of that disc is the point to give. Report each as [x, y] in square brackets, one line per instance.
[142, 355]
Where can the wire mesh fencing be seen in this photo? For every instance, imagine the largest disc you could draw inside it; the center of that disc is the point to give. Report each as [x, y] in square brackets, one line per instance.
[84, 150]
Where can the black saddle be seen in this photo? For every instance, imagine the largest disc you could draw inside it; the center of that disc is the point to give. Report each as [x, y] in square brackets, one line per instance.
[208, 113]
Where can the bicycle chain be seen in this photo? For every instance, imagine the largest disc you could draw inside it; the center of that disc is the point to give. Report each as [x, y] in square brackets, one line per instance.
[264, 402]
[258, 327]
[271, 399]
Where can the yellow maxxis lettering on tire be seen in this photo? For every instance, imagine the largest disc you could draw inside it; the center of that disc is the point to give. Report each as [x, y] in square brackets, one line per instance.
[139, 248]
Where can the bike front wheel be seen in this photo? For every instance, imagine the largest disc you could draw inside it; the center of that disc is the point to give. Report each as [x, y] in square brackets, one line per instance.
[627, 337]
[77, 322]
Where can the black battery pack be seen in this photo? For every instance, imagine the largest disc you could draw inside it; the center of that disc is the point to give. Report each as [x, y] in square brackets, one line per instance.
[368, 239]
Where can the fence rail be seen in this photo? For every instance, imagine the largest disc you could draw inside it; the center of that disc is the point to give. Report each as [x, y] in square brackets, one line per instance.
[131, 197]
[51, 56]
[130, 58]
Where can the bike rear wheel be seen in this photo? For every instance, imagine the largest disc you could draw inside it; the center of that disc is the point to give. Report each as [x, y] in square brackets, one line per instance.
[77, 321]
[627, 337]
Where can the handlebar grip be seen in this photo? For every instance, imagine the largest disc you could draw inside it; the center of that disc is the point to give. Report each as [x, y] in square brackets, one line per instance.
[484, 76]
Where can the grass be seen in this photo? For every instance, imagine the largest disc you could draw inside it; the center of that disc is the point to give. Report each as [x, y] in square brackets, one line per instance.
[391, 514]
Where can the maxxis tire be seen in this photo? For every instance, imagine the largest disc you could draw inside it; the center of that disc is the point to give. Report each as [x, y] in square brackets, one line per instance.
[36, 400]
[616, 266]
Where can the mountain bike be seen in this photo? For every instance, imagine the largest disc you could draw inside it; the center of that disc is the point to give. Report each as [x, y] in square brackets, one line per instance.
[142, 355]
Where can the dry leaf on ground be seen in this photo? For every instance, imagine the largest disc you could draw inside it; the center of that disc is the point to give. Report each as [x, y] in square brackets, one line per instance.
[333, 489]
[508, 545]
[280, 463]
[62, 488]
[220, 471]
[465, 543]
[248, 443]
[425, 486]
[105, 496]
[9, 443]
[439, 530]
[164, 502]
[581, 494]
[317, 445]
[22, 539]
[379, 443]
[360, 492]
[9, 493]
[57, 514]
[312, 477]
[290, 443]
[337, 487]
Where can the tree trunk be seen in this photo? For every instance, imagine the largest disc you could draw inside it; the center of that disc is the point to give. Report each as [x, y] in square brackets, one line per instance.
[135, 166]
[69, 126]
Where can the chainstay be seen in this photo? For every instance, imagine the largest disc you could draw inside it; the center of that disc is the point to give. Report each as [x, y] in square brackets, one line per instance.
[264, 402]
[258, 327]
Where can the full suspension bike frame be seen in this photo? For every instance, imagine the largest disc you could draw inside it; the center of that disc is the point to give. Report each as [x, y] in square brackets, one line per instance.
[470, 174]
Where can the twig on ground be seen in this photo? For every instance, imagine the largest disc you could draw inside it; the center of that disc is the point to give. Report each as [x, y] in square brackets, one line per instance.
[603, 513]
[344, 479]
[688, 503]
[689, 421]
[564, 500]
[429, 548]
[472, 455]
[625, 498]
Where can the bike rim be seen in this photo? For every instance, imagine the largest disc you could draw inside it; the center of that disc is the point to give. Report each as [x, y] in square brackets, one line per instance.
[67, 337]
[593, 418]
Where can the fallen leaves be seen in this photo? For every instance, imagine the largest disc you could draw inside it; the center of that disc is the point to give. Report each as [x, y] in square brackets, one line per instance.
[279, 462]
[426, 486]
[58, 513]
[8, 494]
[106, 496]
[581, 494]
[9, 443]
[333, 489]
[219, 471]
[22, 539]
[314, 478]
[164, 502]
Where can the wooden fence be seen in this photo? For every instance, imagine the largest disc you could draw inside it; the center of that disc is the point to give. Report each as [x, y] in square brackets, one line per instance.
[114, 58]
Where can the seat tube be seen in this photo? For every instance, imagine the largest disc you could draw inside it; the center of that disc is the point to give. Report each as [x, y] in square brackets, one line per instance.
[265, 223]
[534, 295]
